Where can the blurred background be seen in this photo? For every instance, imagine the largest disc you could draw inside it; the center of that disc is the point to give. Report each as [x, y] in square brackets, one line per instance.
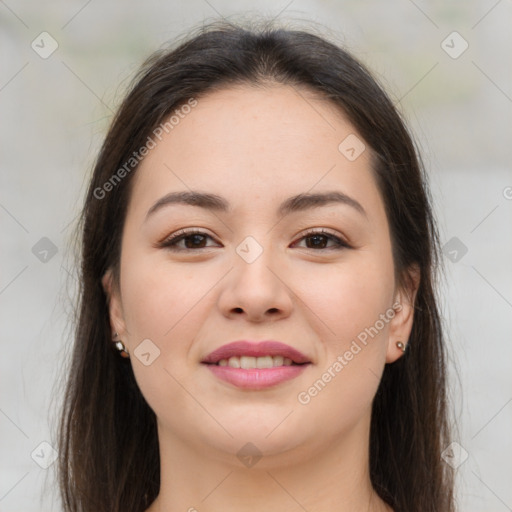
[64, 68]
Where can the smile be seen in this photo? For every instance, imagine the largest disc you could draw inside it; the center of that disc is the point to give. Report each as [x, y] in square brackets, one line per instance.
[247, 362]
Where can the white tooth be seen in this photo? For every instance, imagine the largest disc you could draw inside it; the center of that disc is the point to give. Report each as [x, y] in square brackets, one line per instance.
[234, 362]
[247, 362]
[264, 362]
[250, 362]
[278, 360]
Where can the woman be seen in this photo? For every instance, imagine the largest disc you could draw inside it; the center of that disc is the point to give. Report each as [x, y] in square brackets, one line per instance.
[258, 326]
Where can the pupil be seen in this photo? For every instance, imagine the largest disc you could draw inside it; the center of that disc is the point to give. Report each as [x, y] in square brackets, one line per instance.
[316, 237]
[195, 238]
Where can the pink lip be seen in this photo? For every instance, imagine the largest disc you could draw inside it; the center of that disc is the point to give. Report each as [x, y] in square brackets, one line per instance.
[256, 349]
[256, 378]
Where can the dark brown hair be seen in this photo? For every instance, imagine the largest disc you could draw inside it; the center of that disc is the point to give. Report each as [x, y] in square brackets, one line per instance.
[109, 459]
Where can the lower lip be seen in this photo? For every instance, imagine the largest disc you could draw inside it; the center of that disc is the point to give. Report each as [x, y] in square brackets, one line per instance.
[256, 378]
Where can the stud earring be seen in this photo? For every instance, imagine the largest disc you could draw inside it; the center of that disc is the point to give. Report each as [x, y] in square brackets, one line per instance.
[400, 345]
[123, 351]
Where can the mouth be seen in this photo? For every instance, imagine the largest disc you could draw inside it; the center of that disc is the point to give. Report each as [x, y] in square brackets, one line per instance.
[248, 362]
[256, 366]
[248, 355]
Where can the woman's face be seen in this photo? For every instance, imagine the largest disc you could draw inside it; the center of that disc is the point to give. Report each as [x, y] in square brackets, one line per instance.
[258, 272]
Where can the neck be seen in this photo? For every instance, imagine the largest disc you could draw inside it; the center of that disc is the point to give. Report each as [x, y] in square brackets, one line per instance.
[200, 479]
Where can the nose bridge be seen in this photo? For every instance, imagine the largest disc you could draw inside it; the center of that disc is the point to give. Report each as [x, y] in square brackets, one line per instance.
[255, 285]
[254, 259]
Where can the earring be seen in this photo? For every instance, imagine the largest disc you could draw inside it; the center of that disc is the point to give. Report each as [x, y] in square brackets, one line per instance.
[400, 345]
[120, 346]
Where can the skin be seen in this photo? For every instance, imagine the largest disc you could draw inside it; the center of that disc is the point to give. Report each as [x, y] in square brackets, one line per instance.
[256, 147]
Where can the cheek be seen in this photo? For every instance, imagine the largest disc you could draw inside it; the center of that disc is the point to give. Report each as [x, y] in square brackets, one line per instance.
[350, 297]
[354, 343]
[158, 295]
[165, 304]
[350, 303]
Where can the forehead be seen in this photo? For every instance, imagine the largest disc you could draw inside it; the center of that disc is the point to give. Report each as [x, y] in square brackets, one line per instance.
[256, 145]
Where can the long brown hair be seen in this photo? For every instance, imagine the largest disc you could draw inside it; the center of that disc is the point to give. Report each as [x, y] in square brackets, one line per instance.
[108, 444]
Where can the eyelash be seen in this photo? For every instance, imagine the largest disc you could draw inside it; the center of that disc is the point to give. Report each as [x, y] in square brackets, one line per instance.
[170, 242]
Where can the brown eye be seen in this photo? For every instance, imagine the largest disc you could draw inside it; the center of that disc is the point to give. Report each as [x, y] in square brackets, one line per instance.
[320, 238]
[318, 241]
[192, 239]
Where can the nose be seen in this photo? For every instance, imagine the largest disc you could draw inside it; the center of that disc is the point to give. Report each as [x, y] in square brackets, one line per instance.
[257, 291]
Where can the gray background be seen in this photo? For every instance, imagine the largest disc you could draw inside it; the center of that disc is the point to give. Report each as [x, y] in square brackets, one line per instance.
[54, 114]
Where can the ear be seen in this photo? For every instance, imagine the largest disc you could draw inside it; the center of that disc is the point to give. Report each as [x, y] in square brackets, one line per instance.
[401, 324]
[117, 322]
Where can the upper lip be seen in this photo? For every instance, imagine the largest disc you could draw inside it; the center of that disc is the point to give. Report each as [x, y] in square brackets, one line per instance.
[256, 349]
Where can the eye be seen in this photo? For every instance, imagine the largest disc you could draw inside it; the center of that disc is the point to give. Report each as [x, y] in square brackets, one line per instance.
[193, 239]
[319, 239]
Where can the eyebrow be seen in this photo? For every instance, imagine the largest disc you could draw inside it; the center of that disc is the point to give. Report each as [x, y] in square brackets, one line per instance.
[214, 202]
